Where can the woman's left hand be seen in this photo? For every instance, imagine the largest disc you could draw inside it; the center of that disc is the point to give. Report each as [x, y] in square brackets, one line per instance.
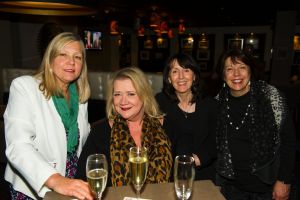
[281, 191]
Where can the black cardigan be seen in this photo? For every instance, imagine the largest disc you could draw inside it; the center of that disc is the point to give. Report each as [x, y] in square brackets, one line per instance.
[194, 134]
[97, 142]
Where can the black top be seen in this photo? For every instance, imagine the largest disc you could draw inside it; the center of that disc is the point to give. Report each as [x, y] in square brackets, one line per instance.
[192, 132]
[97, 142]
[240, 146]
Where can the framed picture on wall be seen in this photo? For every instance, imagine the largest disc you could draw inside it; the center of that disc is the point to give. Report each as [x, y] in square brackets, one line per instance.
[144, 55]
[148, 44]
[203, 44]
[162, 43]
[203, 66]
[203, 54]
[253, 42]
[187, 51]
[235, 43]
[297, 43]
[187, 43]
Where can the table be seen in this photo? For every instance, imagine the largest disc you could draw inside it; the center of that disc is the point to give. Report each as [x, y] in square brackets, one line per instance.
[204, 189]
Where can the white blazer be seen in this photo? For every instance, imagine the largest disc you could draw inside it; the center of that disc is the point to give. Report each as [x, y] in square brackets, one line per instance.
[36, 145]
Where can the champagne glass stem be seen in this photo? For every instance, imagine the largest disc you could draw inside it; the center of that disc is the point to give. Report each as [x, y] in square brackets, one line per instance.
[98, 196]
[138, 194]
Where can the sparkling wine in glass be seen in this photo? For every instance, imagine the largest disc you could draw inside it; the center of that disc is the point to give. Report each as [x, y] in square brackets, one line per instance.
[96, 173]
[184, 174]
[138, 161]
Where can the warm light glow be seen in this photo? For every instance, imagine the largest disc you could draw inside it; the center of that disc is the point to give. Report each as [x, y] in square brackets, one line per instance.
[164, 27]
[42, 4]
[181, 27]
[58, 8]
[114, 27]
[141, 31]
[154, 20]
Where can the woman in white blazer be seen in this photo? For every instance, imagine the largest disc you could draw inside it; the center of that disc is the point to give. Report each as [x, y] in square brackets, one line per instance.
[46, 123]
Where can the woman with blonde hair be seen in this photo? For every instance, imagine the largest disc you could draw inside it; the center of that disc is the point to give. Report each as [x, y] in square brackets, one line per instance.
[133, 119]
[46, 123]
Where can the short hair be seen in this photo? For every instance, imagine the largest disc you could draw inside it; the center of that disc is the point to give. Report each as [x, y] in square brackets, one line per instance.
[48, 84]
[237, 55]
[185, 61]
[143, 89]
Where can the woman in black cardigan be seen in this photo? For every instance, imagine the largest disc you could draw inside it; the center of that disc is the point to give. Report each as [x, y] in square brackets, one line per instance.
[190, 117]
[255, 134]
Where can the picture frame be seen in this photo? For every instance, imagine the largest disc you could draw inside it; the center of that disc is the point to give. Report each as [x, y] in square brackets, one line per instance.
[144, 55]
[296, 45]
[162, 43]
[296, 60]
[235, 43]
[187, 51]
[148, 44]
[203, 54]
[158, 56]
[203, 66]
[187, 43]
[93, 39]
[253, 42]
[203, 44]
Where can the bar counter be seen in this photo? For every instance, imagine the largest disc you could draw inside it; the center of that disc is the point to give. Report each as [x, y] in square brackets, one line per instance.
[202, 190]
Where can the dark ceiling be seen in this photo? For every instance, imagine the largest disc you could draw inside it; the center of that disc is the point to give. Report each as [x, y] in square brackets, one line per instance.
[195, 13]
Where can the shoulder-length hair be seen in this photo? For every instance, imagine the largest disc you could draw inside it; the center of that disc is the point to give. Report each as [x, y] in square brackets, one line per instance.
[237, 55]
[48, 83]
[185, 61]
[142, 87]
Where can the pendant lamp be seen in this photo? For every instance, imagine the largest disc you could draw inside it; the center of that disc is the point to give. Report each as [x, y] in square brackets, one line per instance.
[49, 7]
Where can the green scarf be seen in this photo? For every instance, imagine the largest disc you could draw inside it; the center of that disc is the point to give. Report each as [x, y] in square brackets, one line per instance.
[68, 114]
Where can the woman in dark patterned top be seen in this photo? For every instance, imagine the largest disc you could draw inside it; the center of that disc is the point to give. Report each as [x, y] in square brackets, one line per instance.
[255, 134]
[133, 119]
[190, 116]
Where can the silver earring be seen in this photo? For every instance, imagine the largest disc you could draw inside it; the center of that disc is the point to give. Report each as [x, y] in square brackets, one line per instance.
[224, 85]
[249, 83]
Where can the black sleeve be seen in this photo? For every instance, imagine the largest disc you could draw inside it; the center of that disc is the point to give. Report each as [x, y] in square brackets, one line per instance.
[97, 142]
[207, 151]
[287, 151]
[163, 101]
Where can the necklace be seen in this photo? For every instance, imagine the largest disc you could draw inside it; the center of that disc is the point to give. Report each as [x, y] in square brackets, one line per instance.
[187, 110]
[184, 113]
[243, 119]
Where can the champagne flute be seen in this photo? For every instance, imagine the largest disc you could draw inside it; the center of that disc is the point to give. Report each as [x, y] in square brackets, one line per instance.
[138, 161]
[184, 174]
[96, 173]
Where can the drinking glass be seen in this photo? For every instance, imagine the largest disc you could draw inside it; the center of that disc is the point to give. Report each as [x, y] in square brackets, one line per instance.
[184, 174]
[138, 161]
[96, 173]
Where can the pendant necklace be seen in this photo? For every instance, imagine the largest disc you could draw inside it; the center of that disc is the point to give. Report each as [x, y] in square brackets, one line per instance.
[184, 113]
[237, 127]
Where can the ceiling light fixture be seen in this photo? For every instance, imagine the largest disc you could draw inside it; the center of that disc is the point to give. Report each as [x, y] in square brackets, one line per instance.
[49, 7]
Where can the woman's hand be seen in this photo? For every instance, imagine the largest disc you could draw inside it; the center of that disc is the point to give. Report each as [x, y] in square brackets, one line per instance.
[197, 160]
[281, 191]
[69, 187]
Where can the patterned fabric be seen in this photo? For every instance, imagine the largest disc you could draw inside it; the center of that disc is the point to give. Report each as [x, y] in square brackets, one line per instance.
[156, 142]
[15, 195]
[71, 166]
[267, 114]
[72, 159]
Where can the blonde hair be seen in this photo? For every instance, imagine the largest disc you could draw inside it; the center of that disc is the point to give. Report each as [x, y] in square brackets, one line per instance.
[48, 84]
[143, 90]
